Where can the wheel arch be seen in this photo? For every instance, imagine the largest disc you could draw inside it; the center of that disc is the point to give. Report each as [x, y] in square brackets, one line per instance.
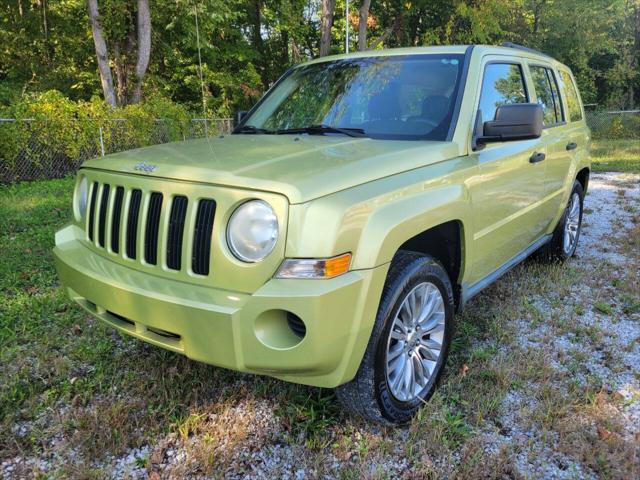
[444, 242]
[435, 222]
[583, 177]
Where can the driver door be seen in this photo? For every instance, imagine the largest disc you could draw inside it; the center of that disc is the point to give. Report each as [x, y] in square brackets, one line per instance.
[508, 191]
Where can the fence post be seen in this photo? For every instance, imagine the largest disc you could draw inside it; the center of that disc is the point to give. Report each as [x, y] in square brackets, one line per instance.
[101, 142]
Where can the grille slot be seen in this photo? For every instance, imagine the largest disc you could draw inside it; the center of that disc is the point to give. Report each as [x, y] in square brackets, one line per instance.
[132, 223]
[176, 232]
[102, 219]
[115, 220]
[202, 237]
[296, 324]
[153, 224]
[92, 209]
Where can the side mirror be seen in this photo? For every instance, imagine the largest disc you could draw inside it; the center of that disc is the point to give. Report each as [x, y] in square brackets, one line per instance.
[518, 121]
[239, 116]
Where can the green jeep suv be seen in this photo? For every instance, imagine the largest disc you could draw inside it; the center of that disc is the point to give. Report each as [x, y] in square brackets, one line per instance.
[331, 238]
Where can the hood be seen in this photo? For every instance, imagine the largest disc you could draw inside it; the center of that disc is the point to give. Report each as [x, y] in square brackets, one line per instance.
[300, 167]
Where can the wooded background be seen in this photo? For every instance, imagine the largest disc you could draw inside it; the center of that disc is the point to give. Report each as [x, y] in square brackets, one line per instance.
[125, 50]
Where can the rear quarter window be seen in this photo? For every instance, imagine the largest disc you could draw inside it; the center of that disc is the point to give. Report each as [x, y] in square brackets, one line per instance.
[571, 96]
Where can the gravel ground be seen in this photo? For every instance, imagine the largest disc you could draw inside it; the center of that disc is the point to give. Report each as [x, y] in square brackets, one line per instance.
[247, 439]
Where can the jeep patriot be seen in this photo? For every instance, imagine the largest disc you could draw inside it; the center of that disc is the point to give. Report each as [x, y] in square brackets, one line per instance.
[332, 236]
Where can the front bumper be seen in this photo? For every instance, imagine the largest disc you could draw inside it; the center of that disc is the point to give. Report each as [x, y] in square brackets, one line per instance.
[228, 329]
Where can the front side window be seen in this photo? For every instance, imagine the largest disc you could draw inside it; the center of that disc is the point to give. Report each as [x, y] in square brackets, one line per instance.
[571, 96]
[397, 97]
[503, 84]
[546, 89]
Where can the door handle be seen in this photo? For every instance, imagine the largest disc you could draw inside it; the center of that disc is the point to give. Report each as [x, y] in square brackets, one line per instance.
[572, 146]
[537, 157]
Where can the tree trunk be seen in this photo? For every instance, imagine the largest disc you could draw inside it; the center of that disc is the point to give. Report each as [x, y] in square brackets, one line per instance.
[256, 40]
[362, 25]
[101, 53]
[144, 47]
[635, 60]
[326, 22]
[285, 47]
[120, 71]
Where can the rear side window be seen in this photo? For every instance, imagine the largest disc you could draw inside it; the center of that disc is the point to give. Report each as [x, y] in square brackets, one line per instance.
[503, 84]
[544, 82]
[571, 96]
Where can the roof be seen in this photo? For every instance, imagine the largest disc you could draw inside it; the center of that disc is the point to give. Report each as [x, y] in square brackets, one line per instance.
[514, 50]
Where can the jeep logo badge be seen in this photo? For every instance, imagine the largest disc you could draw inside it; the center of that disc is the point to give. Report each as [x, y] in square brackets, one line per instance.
[144, 167]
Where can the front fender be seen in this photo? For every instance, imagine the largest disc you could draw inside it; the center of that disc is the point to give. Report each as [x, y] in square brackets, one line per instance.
[394, 223]
[373, 220]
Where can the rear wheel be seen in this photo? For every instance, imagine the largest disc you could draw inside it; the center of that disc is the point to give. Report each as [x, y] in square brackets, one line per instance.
[409, 343]
[565, 238]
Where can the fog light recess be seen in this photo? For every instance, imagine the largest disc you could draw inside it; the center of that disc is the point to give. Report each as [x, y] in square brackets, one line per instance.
[279, 329]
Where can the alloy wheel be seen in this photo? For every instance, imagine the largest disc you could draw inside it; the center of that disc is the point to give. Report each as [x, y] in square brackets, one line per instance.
[572, 224]
[415, 342]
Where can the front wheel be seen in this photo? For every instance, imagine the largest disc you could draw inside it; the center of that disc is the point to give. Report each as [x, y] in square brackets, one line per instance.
[565, 238]
[409, 344]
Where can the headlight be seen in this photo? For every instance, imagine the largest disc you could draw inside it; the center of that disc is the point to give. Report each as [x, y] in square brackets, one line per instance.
[81, 197]
[252, 231]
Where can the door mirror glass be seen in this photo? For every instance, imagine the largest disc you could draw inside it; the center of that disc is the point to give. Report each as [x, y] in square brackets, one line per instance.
[520, 121]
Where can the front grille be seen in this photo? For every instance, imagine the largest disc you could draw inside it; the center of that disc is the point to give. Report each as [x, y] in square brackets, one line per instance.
[114, 210]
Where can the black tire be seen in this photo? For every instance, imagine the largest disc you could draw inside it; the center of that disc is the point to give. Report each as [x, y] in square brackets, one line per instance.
[368, 395]
[555, 250]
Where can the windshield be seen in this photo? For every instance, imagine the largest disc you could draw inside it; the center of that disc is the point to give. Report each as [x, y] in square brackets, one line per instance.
[396, 97]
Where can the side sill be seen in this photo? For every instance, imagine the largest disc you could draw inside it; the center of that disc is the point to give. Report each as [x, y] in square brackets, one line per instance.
[470, 291]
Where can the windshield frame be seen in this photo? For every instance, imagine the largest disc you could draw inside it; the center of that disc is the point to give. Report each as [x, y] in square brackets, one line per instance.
[455, 113]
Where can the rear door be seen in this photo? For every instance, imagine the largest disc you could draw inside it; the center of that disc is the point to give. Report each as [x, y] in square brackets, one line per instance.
[554, 135]
[575, 134]
[509, 188]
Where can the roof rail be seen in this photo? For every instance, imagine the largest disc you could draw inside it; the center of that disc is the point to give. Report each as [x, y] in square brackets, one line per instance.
[522, 47]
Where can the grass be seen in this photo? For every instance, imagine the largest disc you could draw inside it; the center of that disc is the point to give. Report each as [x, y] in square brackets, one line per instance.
[616, 156]
[68, 378]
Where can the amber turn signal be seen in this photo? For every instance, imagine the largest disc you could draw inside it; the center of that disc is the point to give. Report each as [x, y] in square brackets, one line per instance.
[314, 268]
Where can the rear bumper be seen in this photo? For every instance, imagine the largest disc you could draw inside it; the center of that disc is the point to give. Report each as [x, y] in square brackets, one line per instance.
[232, 330]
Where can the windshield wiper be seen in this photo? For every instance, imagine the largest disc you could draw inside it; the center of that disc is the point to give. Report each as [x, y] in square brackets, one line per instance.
[320, 129]
[251, 129]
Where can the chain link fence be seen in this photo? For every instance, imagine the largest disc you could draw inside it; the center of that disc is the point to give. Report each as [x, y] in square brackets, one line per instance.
[614, 125]
[35, 149]
[32, 150]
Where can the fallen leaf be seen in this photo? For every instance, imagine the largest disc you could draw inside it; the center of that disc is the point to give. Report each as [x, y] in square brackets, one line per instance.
[73, 380]
[157, 456]
[77, 330]
[463, 370]
[603, 433]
